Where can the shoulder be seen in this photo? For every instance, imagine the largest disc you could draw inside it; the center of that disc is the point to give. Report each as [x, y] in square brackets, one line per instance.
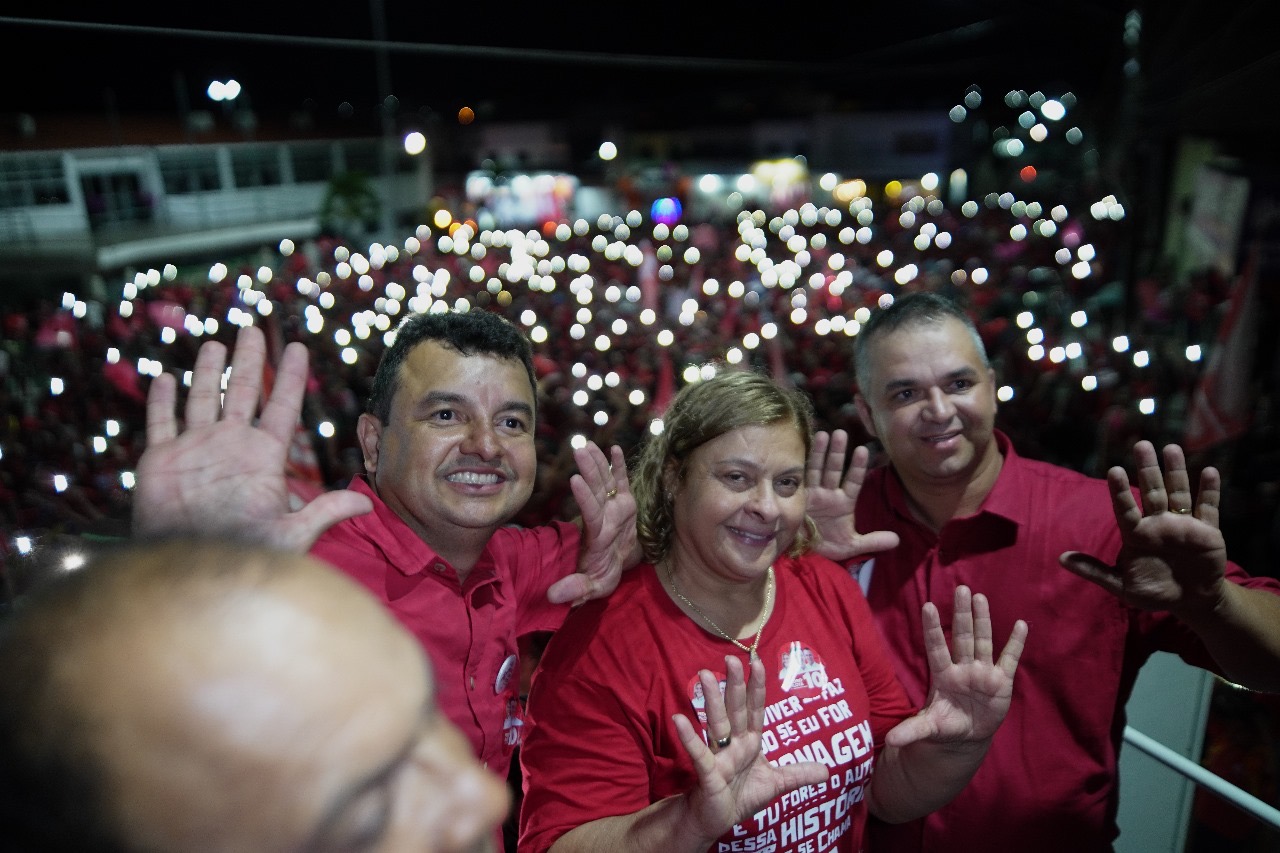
[626, 619]
[1032, 477]
[552, 534]
[816, 582]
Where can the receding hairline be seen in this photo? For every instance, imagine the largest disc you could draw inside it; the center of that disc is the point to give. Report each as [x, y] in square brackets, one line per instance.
[936, 312]
[126, 589]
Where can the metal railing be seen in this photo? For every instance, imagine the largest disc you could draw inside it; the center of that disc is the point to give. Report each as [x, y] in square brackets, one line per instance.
[1214, 783]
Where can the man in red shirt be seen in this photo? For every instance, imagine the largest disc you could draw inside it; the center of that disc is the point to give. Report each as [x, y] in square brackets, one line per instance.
[449, 459]
[967, 509]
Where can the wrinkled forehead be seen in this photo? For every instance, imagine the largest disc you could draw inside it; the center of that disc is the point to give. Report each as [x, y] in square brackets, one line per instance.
[433, 365]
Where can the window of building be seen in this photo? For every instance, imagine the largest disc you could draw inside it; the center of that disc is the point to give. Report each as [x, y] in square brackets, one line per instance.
[311, 163]
[257, 166]
[362, 156]
[29, 180]
[189, 170]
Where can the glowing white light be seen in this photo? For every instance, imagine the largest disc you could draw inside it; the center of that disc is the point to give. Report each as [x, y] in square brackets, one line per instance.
[1141, 358]
[1147, 406]
[60, 482]
[414, 143]
[1193, 352]
[1004, 393]
[1120, 343]
[1089, 383]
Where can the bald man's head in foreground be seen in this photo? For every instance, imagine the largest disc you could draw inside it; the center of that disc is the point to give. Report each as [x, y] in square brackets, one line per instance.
[204, 696]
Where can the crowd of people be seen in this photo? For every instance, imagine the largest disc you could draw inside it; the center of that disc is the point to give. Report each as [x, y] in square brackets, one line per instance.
[426, 495]
[74, 367]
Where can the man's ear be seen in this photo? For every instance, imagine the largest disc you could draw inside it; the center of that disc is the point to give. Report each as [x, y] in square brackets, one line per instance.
[864, 415]
[369, 431]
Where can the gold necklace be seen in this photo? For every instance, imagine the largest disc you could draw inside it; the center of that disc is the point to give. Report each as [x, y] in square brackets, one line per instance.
[768, 611]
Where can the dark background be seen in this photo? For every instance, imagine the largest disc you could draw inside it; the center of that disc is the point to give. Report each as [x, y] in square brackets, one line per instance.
[1200, 66]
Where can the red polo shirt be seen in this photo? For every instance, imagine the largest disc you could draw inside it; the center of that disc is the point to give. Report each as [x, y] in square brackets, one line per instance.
[1049, 782]
[470, 629]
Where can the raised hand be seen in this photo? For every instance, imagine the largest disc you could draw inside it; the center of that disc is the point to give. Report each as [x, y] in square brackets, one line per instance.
[1173, 555]
[608, 509]
[224, 473]
[969, 693]
[735, 780]
[832, 498]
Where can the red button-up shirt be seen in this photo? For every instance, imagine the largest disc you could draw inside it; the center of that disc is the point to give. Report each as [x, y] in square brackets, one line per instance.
[1049, 782]
[470, 629]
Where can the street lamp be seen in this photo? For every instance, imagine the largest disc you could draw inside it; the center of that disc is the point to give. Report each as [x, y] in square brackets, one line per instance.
[225, 92]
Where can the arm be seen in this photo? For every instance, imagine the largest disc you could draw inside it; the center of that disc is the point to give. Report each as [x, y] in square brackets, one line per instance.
[226, 474]
[831, 500]
[1173, 557]
[608, 524]
[929, 758]
[734, 781]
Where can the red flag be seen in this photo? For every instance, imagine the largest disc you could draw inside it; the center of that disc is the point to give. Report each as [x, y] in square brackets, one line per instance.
[1222, 404]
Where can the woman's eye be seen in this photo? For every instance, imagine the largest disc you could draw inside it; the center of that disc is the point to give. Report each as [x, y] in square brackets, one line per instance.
[787, 487]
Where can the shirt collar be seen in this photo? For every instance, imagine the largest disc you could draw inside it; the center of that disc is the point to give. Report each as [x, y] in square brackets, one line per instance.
[1005, 498]
[403, 548]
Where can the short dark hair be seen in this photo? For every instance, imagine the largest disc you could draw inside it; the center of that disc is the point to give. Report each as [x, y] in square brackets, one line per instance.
[912, 309]
[476, 332]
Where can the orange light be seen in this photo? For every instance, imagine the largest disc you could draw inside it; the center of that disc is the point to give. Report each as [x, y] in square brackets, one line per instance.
[1028, 173]
[466, 115]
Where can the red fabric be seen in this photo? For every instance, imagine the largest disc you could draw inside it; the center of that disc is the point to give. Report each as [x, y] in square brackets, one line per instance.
[123, 376]
[1049, 781]
[165, 313]
[1222, 403]
[468, 630]
[602, 742]
[58, 330]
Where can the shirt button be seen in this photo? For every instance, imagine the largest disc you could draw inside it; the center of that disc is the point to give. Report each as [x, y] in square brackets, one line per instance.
[440, 567]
